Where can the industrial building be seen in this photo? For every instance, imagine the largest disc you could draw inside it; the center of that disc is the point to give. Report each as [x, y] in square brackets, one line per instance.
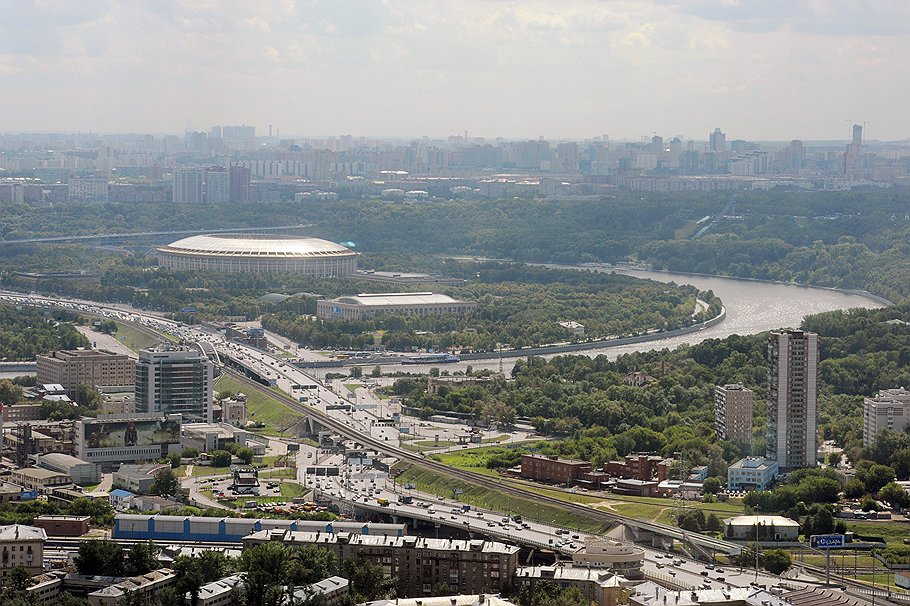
[233, 530]
[256, 253]
[371, 305]
[79, 471]
[40, 480]
[420, 564]
[92, 367]
[63, 526]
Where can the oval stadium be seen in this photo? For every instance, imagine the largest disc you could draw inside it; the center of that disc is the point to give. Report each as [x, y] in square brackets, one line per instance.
[256, 253]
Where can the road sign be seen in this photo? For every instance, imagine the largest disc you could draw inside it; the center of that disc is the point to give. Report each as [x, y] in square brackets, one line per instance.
[827, 541]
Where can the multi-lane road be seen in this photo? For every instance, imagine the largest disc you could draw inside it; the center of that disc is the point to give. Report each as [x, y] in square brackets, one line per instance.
[348, 422]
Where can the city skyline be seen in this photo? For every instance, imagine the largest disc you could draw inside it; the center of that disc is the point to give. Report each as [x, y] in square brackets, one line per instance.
[759, 71]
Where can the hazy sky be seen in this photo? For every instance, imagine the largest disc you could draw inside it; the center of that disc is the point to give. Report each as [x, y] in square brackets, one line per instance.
[759, 69]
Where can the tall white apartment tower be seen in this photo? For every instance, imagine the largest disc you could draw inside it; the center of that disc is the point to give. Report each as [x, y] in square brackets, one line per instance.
[792, 398]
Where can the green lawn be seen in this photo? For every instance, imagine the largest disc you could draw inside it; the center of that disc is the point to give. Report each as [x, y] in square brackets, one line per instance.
[289, 473]
[433, 483]
[273, 413]
[208, 470]
[134, 339]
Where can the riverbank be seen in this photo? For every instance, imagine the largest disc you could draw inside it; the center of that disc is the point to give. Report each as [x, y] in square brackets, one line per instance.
[655, 335]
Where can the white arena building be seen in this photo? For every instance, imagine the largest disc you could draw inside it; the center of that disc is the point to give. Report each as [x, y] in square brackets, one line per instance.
[255, 253]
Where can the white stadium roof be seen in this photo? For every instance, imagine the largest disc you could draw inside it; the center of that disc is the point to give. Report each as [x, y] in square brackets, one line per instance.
[397, 298]
[256, 245]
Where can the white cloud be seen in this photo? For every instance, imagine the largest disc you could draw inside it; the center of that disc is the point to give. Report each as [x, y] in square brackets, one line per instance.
[759, 68]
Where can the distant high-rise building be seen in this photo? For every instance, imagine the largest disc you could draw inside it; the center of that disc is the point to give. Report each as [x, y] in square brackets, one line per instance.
[188, 186]
[175, 380]
[733, 412]
[855, 149]
[196, 142]
[857, 135]
[657, 144]
[797, 154]
[792, 397]
[717, 141]
[240, 184]
[216, 185]
[241, 137]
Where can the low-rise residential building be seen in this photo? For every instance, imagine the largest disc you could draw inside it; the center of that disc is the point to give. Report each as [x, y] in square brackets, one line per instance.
[145, 586]
[45, 588]
[551, 468]
[420, 564]
[217, 593]
[751, 473]
[332, 590]
[79, 471]
[761, 528]
[599, 587]
[890, 410]
[624, 559]
[371, 305]
[21, 545]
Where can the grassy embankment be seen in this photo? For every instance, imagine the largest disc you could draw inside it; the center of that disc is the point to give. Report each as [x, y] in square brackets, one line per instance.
[277, 416]
[135, 339]
[642, 508]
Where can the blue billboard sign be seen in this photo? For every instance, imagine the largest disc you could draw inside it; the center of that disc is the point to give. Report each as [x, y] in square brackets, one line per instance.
[189, 310]
[827, 541]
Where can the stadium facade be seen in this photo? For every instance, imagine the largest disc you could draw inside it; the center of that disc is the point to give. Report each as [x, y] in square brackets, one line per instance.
[255, 253]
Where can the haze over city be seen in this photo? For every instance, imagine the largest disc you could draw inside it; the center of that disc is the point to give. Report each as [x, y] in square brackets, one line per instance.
[764, 70]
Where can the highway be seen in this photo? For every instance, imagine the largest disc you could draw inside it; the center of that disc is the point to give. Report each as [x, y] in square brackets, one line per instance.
[356, 425]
